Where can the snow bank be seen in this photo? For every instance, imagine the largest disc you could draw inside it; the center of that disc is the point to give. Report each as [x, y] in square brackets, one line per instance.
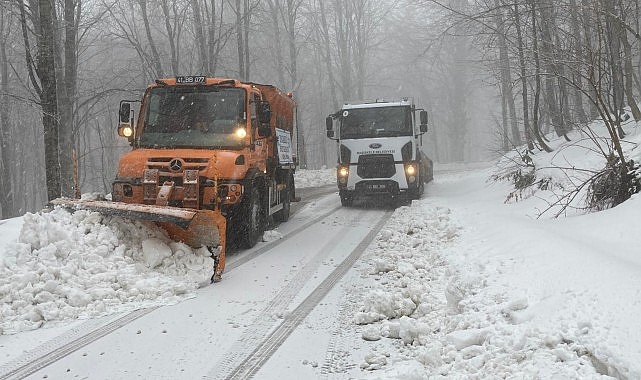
[66, 266]
[313, 178]
[435, 316]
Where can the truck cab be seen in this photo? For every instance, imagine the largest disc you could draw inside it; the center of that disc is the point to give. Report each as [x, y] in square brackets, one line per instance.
[211, 144]
[379, 150]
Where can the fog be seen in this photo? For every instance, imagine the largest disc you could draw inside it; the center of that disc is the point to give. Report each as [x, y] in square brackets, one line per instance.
[469, 64]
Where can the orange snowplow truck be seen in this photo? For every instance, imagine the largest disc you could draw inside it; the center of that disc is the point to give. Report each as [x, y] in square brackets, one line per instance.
[212, 162]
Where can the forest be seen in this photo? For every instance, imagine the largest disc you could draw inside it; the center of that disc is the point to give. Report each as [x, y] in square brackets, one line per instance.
[494, 75]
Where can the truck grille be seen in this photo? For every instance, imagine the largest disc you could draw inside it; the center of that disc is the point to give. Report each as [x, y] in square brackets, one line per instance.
[376, 166]
[162, 163]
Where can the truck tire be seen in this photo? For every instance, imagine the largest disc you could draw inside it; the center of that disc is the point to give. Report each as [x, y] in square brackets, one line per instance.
[252, 223]
[347, 198]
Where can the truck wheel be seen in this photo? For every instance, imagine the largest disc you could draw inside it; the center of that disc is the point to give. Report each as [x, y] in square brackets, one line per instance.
[347, 199]
[251, 225]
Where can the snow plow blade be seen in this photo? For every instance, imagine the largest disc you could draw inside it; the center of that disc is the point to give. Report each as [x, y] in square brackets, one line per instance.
[196, 228]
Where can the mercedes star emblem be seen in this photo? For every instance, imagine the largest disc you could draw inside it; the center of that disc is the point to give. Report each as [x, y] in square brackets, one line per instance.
[175, 165]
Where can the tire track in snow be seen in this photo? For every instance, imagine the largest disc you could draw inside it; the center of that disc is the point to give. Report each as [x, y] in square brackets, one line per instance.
[269, 246]
[74, 339]
[254, 358]
[337, 354]
[267, 318]
[65, 344]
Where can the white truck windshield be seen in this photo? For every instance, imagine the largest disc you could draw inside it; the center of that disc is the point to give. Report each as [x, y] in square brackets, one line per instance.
[360, 123]
[193, 117]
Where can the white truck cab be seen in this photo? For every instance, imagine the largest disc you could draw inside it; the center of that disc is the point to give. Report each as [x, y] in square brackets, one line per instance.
[379, 150]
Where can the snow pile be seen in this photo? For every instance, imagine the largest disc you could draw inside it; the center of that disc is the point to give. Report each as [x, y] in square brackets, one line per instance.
[566, 168]
[314, 178]
[427, 314]
[66, 266]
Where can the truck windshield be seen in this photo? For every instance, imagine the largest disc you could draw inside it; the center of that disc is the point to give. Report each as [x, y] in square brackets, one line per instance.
[193, 117]
[360, 123]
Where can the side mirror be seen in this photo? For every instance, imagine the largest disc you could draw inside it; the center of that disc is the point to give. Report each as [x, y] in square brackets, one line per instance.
[125, 112]
[329, 123]
[125, 125]
[264, 112]
[423, 117]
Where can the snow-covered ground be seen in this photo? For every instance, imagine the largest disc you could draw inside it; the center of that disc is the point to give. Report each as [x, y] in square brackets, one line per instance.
[460, 284]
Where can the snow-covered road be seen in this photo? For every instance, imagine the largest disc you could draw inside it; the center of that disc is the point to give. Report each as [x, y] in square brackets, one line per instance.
[227, 326]
[458, 285]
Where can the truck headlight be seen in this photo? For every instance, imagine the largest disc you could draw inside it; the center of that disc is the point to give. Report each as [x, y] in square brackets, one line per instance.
[342, 173]
[241, 133]
[125, 130]
[410, 170]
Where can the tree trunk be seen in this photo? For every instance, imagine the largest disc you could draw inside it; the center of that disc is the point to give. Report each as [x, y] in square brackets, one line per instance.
[292, 10]
[552, 98]
[240, 44]
[171, 36]
[577, 80]
[360, 46]
[588, 57]
[537, 87]
[246, 24]
[613, 35]
[201, 42]
[7, 206]
[67, 100]
[506, 80]
[343, 28]
[155, 56]
[521, 48]
[628, 71]
[328, 55]
[48, 97]
[274, 13]
[216, 38]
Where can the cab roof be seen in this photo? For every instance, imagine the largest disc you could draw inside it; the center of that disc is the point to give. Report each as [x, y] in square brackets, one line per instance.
[377, 103]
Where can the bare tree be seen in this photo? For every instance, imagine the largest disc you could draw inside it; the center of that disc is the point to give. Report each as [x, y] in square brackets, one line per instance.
[323, 31]
[516, 15]
[243, 10]
[155, 56]
[274, 8]
[577, 51]
[67, 92]
[218, 34]
[7, 206]
[42, 73]
[174, 18]
[507, 100]
[290, 20]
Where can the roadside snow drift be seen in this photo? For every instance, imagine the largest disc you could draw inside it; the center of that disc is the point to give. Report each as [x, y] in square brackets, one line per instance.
[67, 266]
[429, 314]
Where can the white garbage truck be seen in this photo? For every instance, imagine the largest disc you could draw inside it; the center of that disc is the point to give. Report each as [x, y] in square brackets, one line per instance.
[379, 146]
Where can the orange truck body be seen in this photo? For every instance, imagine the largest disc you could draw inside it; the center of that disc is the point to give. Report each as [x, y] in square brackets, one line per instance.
[212, 161]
